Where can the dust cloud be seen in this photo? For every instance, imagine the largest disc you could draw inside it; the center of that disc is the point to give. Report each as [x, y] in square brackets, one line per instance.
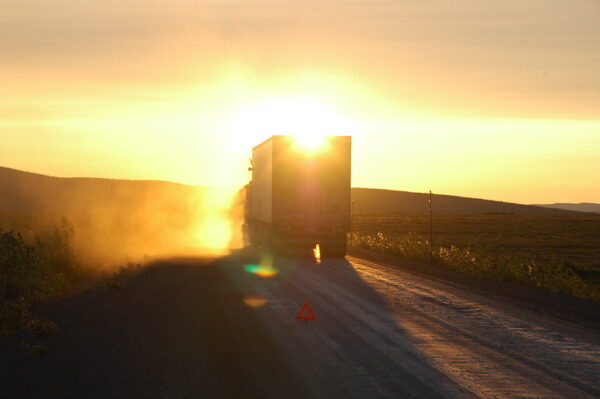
[112, 222]
[166, 220]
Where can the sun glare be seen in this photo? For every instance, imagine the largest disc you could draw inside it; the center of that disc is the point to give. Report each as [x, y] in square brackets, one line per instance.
[307, 119]
[214, 232]
[311, 143]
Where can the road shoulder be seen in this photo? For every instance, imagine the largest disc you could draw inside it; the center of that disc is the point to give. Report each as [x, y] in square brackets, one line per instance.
[581, 312]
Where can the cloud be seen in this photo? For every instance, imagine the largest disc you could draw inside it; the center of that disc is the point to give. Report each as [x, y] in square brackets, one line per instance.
[534, 58]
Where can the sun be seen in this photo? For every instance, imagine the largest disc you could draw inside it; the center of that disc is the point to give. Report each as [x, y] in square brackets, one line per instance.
[309, 120]
[310, 141]
[311, 144]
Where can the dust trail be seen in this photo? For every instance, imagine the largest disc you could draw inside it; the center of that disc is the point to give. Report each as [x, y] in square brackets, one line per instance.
[114, 221]
[197, 221]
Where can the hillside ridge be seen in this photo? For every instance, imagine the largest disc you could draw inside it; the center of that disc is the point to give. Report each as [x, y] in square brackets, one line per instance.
[385, 201]
[588, 207]
[29, 191]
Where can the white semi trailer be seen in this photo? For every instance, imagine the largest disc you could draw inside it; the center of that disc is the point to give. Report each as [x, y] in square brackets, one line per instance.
[299, 198]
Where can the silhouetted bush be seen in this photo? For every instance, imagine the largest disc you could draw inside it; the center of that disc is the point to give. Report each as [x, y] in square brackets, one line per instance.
[56, 248]
[32, 273]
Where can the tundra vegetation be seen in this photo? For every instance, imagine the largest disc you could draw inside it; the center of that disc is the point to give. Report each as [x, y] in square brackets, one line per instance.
[559, 253]
[38, 261]
[33, 271]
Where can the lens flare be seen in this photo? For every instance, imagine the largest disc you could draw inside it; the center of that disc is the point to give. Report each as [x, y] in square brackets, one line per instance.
[264, 269]
[261, 271]
[255, 300]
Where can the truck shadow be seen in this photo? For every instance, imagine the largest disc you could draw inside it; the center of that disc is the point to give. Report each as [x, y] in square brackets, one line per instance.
[190, 327]
[355, 347]
[178, 329]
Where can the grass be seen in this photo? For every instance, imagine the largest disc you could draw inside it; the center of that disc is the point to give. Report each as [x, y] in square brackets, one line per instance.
[557, 253]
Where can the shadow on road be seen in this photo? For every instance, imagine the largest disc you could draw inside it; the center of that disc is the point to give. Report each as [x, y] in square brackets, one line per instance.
[181, 329]
[355, 347]
[178, 329]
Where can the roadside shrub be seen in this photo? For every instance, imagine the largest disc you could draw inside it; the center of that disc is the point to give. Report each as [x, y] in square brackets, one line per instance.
[552, 274]
[56, 248]
[24, 279]
[31, 273]
[118, 279]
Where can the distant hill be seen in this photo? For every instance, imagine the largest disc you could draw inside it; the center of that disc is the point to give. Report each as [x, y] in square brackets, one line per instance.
[376, 201]
[579, 207]
[24, 191]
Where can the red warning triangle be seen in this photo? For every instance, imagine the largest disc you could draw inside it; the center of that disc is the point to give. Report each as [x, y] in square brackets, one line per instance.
[306, 309]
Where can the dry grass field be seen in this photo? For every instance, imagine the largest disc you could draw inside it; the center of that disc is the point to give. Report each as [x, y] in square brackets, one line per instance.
[565, 242]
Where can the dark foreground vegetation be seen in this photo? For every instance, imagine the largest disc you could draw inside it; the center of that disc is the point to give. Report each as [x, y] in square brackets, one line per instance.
[43, 263]
[560, 253]
[31, 272]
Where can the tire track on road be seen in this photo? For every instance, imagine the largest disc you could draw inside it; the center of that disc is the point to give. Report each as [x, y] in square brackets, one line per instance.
[503, 343]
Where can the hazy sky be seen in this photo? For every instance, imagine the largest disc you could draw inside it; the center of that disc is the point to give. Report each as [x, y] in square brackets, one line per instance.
[497, 99]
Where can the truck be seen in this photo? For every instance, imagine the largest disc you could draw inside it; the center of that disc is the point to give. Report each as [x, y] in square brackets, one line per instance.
[299, 198]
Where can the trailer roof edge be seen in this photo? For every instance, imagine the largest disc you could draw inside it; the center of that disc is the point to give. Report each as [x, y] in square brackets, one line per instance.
[287, 135]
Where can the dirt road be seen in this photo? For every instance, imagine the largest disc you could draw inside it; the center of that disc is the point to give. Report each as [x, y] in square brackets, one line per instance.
[193, 328]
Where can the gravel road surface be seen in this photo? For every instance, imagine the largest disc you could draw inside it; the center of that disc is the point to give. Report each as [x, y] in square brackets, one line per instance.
[227, 327]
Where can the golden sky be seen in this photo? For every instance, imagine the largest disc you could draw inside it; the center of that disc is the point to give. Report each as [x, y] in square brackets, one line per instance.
[494, 99]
